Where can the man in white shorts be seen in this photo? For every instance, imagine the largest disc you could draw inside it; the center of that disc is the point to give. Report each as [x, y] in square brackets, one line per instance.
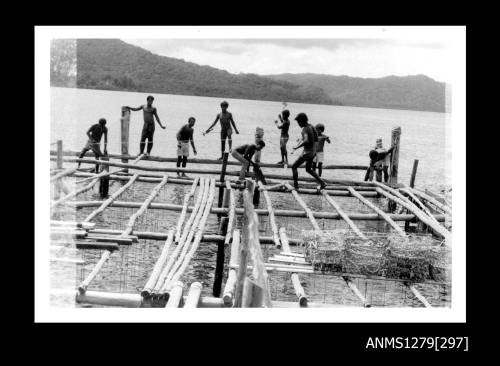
[320, 155]
[184, 137]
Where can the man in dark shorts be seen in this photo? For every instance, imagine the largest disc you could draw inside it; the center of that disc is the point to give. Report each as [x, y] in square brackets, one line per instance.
[284, 126]
[94, 134]
[184, 137]
[226, 120]
[244, 154]
[148, 130]
[309, 143]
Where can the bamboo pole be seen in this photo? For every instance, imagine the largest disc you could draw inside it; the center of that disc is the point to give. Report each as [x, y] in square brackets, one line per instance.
[260, 212]
[175, 299]
[344, 216]
[211, 171]
[74, 193]
[96, 245]
[232, 208]
[107, 173]
[125, 125]
[420, 215]
[432, 200]
[113, 197]
[194, 294]
[197, 239]
[182, 217]
[304, 187]
[63, 174]
[166, 270]
[148, 288]
[109, 299]
[272, 219]
[130, 225]
[206, 203]
[85, 283]
[394, 166]
[419, 296]
[299, 290]
[72, 224]
[230, 286]
[301, 202]
[419, 203]
[212, 161]
[356, 291]
[382, 214]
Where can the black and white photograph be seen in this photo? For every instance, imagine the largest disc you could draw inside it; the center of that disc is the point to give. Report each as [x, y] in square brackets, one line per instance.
[308, 172]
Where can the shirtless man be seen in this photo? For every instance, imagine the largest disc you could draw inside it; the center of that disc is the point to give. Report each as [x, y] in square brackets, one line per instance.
[310, 143]
[226, 121]
[95, 134]
[148, 129]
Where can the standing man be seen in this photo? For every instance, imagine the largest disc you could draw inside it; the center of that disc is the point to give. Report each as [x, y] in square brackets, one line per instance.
[148, 129]
[94, 134]
[284, 126]
[226, 120]
[383, 161]
[309, 143]
[184, 136]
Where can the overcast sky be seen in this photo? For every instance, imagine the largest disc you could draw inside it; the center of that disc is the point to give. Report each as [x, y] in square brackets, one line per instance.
[352, 57]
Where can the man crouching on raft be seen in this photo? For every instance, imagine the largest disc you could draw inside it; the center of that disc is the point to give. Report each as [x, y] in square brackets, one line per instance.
[244, 155]
[226, 120]
[148, 129]
[309, 143]
[94, 134]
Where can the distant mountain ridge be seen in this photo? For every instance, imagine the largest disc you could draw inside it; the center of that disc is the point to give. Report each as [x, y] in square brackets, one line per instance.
[112, 64]
[416, 92]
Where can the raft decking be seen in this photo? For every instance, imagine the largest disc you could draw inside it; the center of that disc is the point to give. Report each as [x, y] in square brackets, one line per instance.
[164, 286]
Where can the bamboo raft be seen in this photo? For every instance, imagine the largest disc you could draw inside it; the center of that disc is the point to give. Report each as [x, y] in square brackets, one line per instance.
[247, 283]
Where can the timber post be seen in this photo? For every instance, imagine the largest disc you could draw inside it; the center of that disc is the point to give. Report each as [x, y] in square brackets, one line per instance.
[219, 263]
[413, 173]
[225, 155]
[393, 174]
[59, 154]
[125, 124]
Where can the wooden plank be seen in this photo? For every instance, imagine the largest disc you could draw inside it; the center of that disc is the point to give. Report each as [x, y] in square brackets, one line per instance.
[96, 245]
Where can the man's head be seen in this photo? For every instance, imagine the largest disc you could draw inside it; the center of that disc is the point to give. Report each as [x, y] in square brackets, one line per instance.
[285, 113]
[378, 143]
[224, 105]
[150, 99]
[320, 127]
[191, 121]
[102, 122]
[260, 145]
[301, 119]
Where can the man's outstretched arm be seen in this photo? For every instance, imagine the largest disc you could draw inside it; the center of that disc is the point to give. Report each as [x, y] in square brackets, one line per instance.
[212, 125]
[134, 109]
[158, 119]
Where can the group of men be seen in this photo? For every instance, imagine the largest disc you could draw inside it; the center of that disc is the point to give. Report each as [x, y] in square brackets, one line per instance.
[312, 142]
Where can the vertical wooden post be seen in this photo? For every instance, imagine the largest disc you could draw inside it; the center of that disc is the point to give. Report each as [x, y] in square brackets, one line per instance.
[413, 173]
[219, 263]
[395, 140]
[125, 123]
[393, 176]
[222, 178]
[59, 154]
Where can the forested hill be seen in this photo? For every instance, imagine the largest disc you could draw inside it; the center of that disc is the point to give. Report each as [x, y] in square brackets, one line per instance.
[416, 92]
[112, 64]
